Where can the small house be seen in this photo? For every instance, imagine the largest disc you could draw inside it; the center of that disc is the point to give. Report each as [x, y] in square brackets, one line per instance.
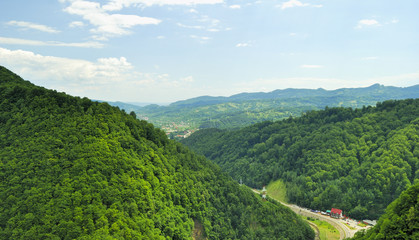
[336, 213]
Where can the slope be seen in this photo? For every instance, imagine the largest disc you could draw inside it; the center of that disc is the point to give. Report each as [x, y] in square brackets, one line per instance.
[71, 168]
[401, 220]
[356, 160]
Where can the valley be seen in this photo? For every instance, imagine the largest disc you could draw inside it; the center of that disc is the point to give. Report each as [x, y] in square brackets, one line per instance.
[79, 169]
[209, 120]
[357, 160]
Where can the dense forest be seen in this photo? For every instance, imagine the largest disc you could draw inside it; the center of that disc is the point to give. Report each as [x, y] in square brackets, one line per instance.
[71, 168]
[244, 109]
[358, 160]
[401, 220]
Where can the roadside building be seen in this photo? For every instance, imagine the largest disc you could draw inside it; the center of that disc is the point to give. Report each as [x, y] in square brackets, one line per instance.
[370, 222]
[336, 213]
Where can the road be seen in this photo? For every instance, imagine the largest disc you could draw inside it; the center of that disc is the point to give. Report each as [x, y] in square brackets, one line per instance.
[339, 224]
[344, 231]
[316, 230]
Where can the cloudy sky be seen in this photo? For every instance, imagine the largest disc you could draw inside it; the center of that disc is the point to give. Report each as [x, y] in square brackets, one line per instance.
[167, 50]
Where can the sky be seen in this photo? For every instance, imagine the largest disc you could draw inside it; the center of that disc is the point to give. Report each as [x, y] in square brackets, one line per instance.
[162, 51]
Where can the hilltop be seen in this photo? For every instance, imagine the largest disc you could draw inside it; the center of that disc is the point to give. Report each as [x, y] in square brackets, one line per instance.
[71, 168]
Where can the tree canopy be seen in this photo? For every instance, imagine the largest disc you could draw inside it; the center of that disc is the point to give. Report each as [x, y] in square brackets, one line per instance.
[71, 168]
[358, 160]
[400, 221]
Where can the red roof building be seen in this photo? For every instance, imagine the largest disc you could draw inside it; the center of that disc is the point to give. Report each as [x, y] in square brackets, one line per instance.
[336, 213]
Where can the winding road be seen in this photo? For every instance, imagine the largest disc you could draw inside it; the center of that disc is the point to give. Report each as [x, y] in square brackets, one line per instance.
[344, 231]
[339, 224]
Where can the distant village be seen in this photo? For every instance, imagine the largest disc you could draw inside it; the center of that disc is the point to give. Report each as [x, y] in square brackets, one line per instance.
[173, 130]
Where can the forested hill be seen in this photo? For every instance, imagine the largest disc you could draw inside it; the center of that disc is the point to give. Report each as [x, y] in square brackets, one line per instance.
[374, 92]
[356, 160]
[71, 168]
[401, 220]
[248, 108]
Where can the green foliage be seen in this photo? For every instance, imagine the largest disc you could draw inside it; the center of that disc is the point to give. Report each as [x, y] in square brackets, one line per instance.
[71, 168]
[249, 108]
[356, 160]
[401, 220]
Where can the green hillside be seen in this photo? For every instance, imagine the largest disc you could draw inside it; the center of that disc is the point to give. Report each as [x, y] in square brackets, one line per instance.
[71, 168]
[356, 160]
[249, 108]
[401, 220]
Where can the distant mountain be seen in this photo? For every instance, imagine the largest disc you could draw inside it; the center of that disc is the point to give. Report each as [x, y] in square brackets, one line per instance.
[377, 92]
[248, 108]
[127, 107]
[357, 160]
[71, 168]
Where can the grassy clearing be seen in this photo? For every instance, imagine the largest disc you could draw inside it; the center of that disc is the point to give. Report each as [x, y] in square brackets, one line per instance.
[277, 190]
[361, 224]
[327, 231]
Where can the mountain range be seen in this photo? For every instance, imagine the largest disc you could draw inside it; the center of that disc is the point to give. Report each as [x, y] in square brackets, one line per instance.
[248, 108]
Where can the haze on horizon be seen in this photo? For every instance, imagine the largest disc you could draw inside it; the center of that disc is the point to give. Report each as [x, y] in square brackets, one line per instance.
[168, 50]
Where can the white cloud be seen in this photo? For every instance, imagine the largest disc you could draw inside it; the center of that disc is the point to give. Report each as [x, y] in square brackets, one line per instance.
[35, 26]
[17, 41]
[188, 79]
[394, 21]
[370, 58]
[106, 78]
[211, 24]
[107, 25]
[296, 3]
[206, 23]
[311, 66]
[114, 5]
[65, 69]
[188, 26]
[243, 45]
[76, 24]
[235, 6]
[368, 23]
[202, 39]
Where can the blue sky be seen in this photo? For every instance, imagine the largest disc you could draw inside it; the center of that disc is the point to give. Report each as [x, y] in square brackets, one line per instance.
[167, 50]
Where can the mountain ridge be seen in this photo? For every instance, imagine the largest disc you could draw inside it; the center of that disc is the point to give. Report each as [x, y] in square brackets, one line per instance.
[290, 93]
[358, 160]
[72, 168]
[244, 109]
